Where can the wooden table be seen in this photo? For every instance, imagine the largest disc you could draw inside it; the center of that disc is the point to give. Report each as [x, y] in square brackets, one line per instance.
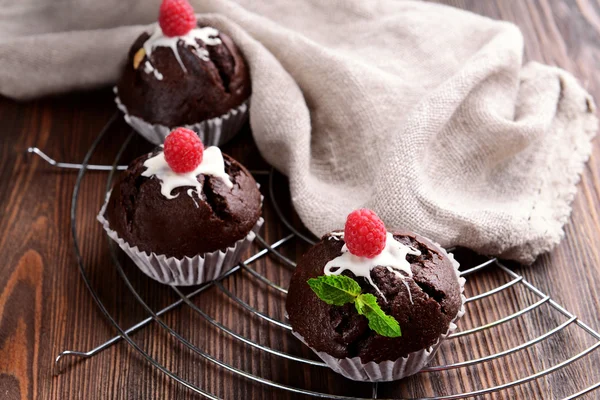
[45, 307]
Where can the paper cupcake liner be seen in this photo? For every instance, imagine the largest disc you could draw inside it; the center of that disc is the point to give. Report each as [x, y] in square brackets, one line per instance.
[187, 271]
[353, 368]
[213, 132]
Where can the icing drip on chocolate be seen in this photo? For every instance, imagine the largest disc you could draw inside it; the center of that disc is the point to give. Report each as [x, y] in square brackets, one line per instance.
[190, 192]
[148, 68]
[212, 164]
[206, 35]
[393, 257]
[408, 290]
[336, 236]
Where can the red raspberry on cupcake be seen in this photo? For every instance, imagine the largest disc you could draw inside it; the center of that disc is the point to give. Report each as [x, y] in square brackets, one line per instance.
[183, 150]
[364, 233]
[176, 17]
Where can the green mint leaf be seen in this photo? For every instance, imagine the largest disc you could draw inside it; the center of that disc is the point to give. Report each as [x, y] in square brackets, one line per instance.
[380, 322]
[335, 289]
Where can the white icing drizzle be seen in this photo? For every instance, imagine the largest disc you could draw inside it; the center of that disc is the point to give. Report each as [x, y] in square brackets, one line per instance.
[212, 164]
[190, 192]
[148, 68]
[393, 257]
[408, 290]
[337, 236]
[206, 35]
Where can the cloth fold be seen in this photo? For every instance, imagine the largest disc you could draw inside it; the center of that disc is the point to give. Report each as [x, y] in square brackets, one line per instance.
[421, 112]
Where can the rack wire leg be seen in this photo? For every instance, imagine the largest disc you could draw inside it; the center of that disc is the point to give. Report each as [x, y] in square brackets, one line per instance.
[87, 354]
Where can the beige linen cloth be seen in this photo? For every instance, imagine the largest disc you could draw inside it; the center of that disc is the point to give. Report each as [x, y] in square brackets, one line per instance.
[421, 112]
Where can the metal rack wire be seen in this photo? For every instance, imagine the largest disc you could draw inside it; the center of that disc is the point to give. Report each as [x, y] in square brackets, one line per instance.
[271, 249]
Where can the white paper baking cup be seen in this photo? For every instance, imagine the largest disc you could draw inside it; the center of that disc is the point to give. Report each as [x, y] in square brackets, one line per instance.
[213, 132]
[187, 271]
[355, 369]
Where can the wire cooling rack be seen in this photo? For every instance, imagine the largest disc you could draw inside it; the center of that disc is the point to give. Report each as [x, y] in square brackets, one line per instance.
[491, 274]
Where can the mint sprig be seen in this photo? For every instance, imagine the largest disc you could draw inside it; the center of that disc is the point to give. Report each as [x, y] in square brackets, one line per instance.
[340, 289]
[380, 322]
[335, 289]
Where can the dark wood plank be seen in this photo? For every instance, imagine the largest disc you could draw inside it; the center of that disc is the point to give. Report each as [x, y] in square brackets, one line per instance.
[45, 307]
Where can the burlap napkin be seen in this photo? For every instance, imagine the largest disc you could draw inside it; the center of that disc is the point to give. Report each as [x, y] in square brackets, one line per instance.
[422, 112]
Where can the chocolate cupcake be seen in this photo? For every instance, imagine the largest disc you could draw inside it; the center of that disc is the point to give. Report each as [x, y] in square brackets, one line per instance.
[374, 305]
[183, 213]
[184, 73]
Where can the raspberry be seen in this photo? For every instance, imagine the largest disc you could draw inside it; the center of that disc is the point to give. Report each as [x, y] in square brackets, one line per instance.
[183, 150]
[364, 233]
[176, 17]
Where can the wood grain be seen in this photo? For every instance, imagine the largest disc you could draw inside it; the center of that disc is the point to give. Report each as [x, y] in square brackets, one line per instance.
[45, 307]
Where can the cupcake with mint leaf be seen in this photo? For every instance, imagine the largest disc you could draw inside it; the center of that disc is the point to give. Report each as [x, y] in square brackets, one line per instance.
[185, 214]
[374, 305]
